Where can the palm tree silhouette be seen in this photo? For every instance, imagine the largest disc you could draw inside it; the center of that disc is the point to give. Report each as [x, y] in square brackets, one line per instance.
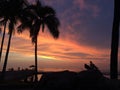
[2, 23]
[115, 41]
[10, 14]
[41, 16]
[2, 42]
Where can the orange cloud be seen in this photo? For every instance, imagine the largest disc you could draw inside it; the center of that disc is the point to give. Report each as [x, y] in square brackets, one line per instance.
[55, 51]
[58, 49]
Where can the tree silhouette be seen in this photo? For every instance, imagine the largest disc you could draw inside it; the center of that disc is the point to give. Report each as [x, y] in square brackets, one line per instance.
[2, 42]
[41, 16]
[10, 14]
[115, 41]
[2, 23]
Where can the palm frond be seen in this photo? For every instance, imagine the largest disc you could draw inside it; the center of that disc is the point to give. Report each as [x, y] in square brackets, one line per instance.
[24, 26]
[30, 7]
[48, 11]
[11, 10]
[52, 19]
[53, 23]
[2, 22]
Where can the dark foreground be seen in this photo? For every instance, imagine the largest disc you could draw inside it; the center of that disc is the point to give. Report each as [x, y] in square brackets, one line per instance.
[17, 86]
[53, 85]
[89, 79]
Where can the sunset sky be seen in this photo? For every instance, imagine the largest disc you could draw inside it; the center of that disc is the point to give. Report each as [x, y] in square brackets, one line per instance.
[85, 35]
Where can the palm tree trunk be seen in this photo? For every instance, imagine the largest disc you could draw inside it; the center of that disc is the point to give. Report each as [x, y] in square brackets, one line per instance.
[115, 42]
[6, 57]
[2, 41]
[36, 66]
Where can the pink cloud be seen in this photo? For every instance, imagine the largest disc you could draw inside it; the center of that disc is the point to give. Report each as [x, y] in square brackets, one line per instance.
[52, 2]
[81, 3]
[88, 6]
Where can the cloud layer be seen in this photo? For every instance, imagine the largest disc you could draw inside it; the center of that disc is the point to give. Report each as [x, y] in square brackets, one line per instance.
[85, 33]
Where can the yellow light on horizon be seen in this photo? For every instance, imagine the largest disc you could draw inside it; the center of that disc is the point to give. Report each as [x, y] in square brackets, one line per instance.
[47, 57]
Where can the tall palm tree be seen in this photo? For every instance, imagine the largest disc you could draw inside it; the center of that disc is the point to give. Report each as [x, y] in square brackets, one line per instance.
[42, 15]
[11, 12]
[115, 41]
[2, 23]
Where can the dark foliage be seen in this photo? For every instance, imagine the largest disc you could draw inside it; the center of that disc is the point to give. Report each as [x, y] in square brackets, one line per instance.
[89, 79]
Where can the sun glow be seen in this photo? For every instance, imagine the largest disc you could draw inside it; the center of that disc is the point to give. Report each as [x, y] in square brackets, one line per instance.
[47, 57]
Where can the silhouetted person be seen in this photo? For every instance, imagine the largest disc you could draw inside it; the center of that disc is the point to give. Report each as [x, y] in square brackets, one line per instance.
[87, 67]
[92, 65]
